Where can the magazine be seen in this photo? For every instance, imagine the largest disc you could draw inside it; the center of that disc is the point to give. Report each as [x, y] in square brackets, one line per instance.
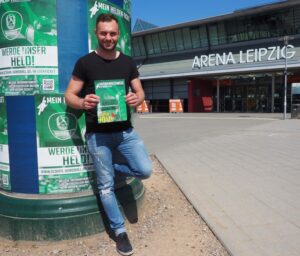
[112, 106]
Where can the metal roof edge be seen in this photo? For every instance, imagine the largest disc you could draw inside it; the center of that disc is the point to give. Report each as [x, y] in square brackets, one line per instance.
[236, 13]
[220, 72]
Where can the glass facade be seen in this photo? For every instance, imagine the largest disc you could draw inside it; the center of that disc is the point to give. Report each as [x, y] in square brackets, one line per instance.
[259, 26]
[166, 89]
[252, 95]
[158, 92]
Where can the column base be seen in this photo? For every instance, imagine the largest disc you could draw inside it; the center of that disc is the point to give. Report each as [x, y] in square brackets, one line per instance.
[63, 216]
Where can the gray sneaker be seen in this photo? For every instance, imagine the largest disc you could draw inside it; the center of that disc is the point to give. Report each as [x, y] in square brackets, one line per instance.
[123, 244]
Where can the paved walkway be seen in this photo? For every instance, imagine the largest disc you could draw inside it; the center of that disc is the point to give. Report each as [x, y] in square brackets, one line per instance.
[240, 171]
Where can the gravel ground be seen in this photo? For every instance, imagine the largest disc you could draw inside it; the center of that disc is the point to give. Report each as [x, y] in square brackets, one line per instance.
[167, 225]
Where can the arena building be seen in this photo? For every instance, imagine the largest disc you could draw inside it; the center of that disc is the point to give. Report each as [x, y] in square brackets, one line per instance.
[237, 62]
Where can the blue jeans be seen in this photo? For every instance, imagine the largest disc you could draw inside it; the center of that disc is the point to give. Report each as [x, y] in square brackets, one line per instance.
[123, 152]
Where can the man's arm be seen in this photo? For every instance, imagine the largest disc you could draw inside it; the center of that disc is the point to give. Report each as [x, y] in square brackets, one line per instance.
[136, 97]
[72, 98]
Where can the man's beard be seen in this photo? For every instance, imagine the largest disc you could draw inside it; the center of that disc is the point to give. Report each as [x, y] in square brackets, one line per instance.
[103, 47]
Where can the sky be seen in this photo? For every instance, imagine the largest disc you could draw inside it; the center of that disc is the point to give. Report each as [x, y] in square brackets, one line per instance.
[169, 12]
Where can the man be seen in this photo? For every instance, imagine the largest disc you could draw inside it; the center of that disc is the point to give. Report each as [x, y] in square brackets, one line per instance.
[107, 141]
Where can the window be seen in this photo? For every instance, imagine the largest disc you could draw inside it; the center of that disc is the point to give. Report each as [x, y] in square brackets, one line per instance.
[180, 88]
[171, 41]
[297, 20]
[178, 40]
[195, 37]
[138, 48]
[149, 45]
[241, 30]
[253, 28]
[203, 36]
[147, 86]
[263, 27]
[221, 33]
[156, 44]
[187, 38]
[142, 46]
[288, 21]
[213, 34]
[161, 89]
[136, 52]
[230, 27]
[163, 42]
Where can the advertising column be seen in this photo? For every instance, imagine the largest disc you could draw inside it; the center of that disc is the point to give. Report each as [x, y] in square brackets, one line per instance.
[45, 166]
[28, 60]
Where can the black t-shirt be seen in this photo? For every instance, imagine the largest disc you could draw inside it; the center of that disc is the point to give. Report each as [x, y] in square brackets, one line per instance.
[91, 68]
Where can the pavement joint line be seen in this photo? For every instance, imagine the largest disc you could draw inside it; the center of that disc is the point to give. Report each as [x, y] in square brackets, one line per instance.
[208, 118]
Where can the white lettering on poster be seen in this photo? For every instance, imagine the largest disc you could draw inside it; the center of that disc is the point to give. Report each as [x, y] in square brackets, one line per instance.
[108, 8]
[28, 56]
[64, 157]
[249, 56]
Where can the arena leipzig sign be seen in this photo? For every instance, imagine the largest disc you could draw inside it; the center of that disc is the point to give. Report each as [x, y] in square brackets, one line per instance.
[249, 56]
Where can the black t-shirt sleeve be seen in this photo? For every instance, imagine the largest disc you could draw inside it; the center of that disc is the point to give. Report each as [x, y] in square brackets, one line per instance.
[79, 70]
[135, 73]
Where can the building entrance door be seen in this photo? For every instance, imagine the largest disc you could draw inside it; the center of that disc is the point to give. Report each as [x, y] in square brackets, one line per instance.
[251, 98]
[225, 99]
[245, 98]
[237, 99]
[263, 99]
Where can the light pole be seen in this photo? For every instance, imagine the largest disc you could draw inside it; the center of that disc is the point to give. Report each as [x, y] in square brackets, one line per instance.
[286, 40]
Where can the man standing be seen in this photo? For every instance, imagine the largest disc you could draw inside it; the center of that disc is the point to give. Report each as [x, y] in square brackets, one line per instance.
[107, 141]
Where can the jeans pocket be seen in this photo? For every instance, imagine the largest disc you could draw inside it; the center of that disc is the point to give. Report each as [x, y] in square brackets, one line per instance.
[129, 130]
[88, 136]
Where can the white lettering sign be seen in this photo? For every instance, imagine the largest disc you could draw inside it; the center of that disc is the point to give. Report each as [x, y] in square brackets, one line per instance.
[249, 56]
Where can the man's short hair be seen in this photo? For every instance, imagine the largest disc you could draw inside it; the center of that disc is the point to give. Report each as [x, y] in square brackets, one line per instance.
[106, 17]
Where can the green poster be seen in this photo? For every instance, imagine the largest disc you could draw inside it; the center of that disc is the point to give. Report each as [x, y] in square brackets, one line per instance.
[97, 7]
[4, 154]
[28, 47]
[112, 106]
[64, 163]
[127, 6]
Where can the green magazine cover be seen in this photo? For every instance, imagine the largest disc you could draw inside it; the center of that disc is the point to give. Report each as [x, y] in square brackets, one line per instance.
[112, 106]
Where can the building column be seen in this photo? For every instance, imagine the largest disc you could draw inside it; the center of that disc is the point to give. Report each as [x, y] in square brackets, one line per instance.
[218, 95]
[272, 93]
[172, 88]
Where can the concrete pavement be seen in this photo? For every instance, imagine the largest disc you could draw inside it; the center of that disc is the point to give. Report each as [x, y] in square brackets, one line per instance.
[240, 171]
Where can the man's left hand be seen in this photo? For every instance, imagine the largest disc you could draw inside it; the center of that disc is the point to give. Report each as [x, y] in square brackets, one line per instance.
[132, 99]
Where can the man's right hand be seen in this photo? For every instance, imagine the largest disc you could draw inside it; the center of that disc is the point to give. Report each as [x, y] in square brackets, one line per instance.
[90, 101]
